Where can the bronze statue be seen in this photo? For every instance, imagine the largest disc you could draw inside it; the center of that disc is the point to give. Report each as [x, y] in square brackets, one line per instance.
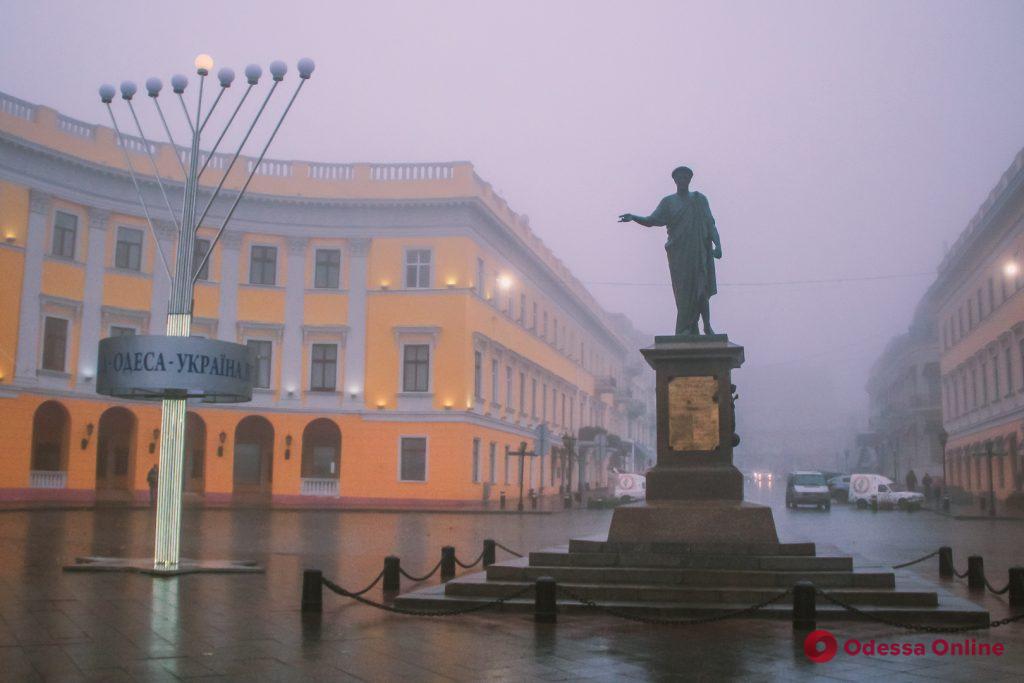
[693, 245]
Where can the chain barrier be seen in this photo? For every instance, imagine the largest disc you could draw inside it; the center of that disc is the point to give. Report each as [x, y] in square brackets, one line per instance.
[959, 575]
[478, 560]
[372, 584]
[1000, 591]
[912, 562]
[421, 578]
[507, 549]
[424, 613]
[916, 627]
[681, 622]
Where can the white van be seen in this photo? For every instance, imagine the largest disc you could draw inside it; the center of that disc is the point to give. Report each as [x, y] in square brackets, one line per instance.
[864, 487]
[629, 487]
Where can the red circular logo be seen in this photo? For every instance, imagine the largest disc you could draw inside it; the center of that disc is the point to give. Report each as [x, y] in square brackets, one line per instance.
[820, 646]
[626, 483]
[861, 485]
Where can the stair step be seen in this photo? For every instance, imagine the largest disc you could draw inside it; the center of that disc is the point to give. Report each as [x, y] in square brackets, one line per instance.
[598, 546]
[665, 594]
[690, 577]
[948, 615]
[762, 562]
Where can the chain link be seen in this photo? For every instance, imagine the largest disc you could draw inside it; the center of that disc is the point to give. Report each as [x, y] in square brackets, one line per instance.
[959, 575]
[420, 578]
[999, 591]
[372, 584]
[920, 559]
[507, 549]
[916, 627]
[424, 613]
[682, 622]
[478, 560]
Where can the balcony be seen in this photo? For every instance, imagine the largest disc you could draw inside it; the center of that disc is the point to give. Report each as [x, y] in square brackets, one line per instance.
[324, 487]
[47, 479]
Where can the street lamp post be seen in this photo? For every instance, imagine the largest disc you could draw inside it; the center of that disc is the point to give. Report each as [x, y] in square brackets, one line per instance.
[166, 553]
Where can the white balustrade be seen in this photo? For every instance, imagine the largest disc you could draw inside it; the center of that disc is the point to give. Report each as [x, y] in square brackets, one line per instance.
[135, 144]
[331, 171]
[271, 167]
[47, 479]
[412, 171]
[319, 487]
[75, 127]
[15, 107]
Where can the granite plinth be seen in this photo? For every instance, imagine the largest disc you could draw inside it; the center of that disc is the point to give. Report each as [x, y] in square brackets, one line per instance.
[695, 482]
[712, 521]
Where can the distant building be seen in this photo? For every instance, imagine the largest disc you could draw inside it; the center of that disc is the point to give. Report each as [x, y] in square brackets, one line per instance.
[409, 327]
[980, 323]
[970, 323]
[905, 403]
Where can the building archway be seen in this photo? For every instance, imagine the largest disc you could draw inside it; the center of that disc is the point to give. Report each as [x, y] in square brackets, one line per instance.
[195, 453]
[51, 435]
[115, 450]
[321, 458]
[253, 467]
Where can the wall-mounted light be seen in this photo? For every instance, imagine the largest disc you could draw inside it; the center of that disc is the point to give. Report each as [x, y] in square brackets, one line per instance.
[447, 405]
[288, 440]
[9, 237]
[451, 282]
[384, 284]
[1011, 269]
[505, 282]
[222, 437]
[156, 434]
[381, 405]
[88, 429]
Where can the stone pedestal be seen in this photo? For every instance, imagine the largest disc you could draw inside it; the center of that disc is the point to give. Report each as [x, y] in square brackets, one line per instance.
[694, 493]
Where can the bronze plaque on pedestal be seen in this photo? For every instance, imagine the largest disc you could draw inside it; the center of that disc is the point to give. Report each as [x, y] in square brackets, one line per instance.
[693, 414]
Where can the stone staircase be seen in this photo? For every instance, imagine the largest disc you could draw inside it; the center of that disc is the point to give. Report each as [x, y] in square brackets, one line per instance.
[697, 580]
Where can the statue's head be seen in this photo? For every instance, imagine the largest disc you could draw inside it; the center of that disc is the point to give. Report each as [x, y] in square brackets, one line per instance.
[682, 175]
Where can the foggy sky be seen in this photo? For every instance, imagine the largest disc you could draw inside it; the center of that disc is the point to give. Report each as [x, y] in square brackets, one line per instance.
[833, 139]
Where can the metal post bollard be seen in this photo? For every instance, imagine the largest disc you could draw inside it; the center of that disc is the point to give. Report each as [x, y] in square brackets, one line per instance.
[545, 608]
[874, 503]
[804, 607]
[501, 501]
[975, 573]
[489, 552]
[1016, 586]
[447, 563]
[567, 501]
[946, 562]
[392, 574]
[312, 591]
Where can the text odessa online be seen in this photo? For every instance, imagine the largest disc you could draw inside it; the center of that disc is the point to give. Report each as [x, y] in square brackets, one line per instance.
[942, 647]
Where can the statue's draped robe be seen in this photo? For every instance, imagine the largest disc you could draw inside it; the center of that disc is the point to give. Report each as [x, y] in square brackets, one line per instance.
[691, 263]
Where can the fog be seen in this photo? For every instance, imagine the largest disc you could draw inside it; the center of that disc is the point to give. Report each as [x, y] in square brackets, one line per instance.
[840, 144]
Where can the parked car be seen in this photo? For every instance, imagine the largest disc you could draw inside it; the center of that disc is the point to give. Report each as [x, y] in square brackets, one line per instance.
[896, 496]
[864, 486]
[628, 487]
[807, 488]
[839, 487]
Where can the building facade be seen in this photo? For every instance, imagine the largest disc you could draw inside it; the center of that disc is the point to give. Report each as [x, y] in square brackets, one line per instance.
[980, 330]
[408, 325]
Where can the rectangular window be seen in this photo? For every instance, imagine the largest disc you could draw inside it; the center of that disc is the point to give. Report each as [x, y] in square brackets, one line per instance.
[564, 423]
[128, 254]
[324, 367]
[544, 402]
[522, 309]
[480, 276]
[506, 465]
[55, 342]
[116, 331]
[995, 377]
[984, 383]
[478, 380]
[263, 265]
[492, 461]
[991, 295]
[981, 313]
[264, 351]
[522, 393]
[413, 465]
[494, 381]
[556, 332]
[544, 326]
[476, 461]
[416, 368]
[1009, 371]
[533, 398]
[417, 269]
[199, 250]
[508, 387]
[65, 230]
[534, 325]
[328, 269]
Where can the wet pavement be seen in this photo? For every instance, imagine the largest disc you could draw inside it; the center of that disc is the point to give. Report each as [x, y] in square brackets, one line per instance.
[69, 626]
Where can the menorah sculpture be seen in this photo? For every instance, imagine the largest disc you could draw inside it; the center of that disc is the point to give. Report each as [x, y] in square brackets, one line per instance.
[217, 371]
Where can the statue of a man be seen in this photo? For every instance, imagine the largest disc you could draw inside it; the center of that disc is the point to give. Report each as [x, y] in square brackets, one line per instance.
[693, 245]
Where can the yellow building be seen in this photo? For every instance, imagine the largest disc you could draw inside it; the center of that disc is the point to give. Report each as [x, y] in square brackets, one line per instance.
[979, 307]
[409, 328]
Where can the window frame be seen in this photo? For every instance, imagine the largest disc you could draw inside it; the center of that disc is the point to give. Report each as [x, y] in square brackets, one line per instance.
[197, 255]
[405, 362]
[73, 231]
[253, 260]
[63, 351]
[426, 458]
[270, 363]
[128, 253]
[429, 265]
[327, 265]
[313, 361]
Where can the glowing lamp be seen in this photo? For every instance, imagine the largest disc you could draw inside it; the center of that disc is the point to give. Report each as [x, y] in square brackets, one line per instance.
[1011, 269]
[505, 282]
[204, 63]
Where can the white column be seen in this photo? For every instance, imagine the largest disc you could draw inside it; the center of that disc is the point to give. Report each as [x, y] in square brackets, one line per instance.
[294, 295]
[355, 340]
[166, 233]
[26, 359]
[227, 312]
[92, 301]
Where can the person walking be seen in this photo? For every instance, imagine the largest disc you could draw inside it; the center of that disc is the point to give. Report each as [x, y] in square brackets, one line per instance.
[911, 481]
[927, 483]
[152, 477]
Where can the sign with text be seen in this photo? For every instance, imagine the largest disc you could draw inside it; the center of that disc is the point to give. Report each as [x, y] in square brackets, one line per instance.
[157, 367]
[693, 413]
